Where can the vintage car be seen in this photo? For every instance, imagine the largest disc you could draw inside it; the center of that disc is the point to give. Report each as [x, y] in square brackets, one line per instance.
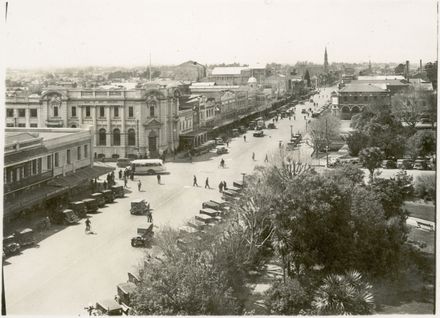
[11, 245]
[69, 217]
[186, 230]
[219, 141]
[215, 205]
[242, 129]
[139, 207]
[229, 195]
[197, 224]
[100, 200]
[404, 164]
[108, 196]
[259, 133]
[79, 208]
[25, 237]
[108, 307]
[222, 150]
[118, 191]
[238, 184]
[144, 236]
[210, 212]
[124, 293]
[271, 126]
[91, 205]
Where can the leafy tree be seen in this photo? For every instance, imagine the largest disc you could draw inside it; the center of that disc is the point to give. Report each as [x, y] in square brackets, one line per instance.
[425, 187]
[345, 294]
[307, 78]
[323, 130]
[422, 143]
[287, 298]
[371, 158]
[407, 107]
[356, 141]
[400, 69]
[431, 73]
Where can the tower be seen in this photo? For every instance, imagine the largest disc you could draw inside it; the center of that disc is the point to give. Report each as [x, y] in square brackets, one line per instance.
[325, 61]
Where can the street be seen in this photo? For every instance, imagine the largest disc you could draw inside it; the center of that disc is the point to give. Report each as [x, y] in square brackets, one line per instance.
[70, 269]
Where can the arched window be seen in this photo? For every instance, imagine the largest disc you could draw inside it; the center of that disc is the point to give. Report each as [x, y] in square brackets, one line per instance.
[102, 137]
[152, 106]
[131, 137]
[116, 137]
[73, 126]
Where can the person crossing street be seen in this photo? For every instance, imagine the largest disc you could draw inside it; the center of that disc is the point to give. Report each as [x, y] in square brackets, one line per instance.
[207, 183]
[195, 182]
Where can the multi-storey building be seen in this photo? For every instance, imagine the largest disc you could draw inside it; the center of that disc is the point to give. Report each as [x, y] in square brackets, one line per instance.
[42, 164]
[190, 71]
[127, 123]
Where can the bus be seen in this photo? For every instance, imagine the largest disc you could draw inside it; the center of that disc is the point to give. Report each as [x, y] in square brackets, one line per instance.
[147, 166]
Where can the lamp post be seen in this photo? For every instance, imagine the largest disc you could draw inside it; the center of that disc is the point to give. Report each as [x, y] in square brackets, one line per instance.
[243, 177]
[291, 133]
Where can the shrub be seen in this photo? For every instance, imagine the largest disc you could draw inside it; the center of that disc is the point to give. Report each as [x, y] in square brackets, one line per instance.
[425, 187]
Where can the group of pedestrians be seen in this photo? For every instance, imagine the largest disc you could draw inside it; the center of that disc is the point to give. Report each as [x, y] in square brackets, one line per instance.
[222, 185]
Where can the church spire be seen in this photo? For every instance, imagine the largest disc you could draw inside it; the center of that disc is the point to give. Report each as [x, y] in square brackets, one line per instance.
[325, 61]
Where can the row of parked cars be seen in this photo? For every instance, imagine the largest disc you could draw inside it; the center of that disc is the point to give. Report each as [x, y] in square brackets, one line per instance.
[12, 244]
[407, 164]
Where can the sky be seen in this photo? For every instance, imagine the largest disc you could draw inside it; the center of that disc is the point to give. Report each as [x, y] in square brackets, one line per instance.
[58, 33]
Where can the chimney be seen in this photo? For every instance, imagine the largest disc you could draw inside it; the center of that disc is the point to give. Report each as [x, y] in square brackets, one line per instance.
[407, 70]
[421, 65]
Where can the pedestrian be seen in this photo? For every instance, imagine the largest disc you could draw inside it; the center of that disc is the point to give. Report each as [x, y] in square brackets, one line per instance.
[120, 174]
[304, 117]
[280, 144]
[88, 223]
[220, 187]
[132, 175]
[253, 156]
[125, 181]
[207, 183]
[227, 143]
[225, 187]
[190, 157]
[149, 216]
[139, 185]
[222, 163]
[195, 182]
[294, 117]
[244, 137]
[158, 178]
[266, 159]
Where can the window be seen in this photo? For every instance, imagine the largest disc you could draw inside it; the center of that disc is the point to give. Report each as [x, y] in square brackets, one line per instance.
[102, 137]
[78, 153]
[57, 159]
[22, 113]
[73, 126]
[131, 137]
[101, 111]
[116, 137]
[423, 102]
[130, 112]
[49, 162]
[21, 125]
[68, 156]
[86, 151]
[73, 111]
[345, 98]
[116, 111]
[151, 111]
[33, 112]
[34, 125]
[375, 97]
[9, 125]
[55, 111]
[355, 98]
[87, 111]
[366, 98]
[34, 166]
[9, 112]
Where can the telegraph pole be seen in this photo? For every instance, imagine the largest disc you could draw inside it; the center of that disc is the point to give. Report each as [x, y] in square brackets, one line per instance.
[326, 146]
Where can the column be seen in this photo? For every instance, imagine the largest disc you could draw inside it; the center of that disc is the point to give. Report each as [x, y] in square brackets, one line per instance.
[123, 128]
[27, 114]
[95, 128]
[109, 127]
[79, 111]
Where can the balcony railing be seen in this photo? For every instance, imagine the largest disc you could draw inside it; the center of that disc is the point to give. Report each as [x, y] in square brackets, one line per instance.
[27, 181]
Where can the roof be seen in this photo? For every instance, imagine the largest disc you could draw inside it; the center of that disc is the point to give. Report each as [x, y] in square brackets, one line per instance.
[381, 77]
[24, 155]
[80, 176]
[257, 66]
[12, 137]
[390, 82]
[229, 70]
[367, 88]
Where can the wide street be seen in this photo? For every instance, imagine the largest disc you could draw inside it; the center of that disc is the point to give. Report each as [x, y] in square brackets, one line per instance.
[71, 269]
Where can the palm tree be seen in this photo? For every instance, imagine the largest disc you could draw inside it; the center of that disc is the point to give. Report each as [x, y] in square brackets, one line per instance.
[345, 294]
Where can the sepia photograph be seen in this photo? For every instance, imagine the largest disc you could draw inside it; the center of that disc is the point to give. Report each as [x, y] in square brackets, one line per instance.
[219, 157]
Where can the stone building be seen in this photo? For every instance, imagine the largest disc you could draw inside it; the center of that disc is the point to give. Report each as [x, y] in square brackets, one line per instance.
[190, 71]
[127, 123]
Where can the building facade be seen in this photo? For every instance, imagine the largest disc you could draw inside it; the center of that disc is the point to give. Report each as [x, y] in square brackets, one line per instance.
[126, 123]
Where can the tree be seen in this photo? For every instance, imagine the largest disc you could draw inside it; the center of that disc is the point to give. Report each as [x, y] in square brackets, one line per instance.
[345, 294]
[356, 141]
[307, 78]
[422, 143]
[323, 130]
[400, 69]
[431, 73]
[286, 298]
[371, 158]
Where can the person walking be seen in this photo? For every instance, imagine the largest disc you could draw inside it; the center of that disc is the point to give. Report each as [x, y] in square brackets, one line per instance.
[190, 157]
[125, 181]
[253, 156]
[220, 187]
[132, 175]
[149, 216]
[207, 183]
[139, 185]
[158, 178]
[195, 182]
[120, 174]
[227, 143]
[222, 163]
[266, 159]
[225, 187]
[244, 137]
[88, 224]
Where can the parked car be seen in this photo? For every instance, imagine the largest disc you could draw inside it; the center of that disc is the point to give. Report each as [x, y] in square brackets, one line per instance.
[118, 191]
[219, 141]
[242, 129]
[139, 207]
[144, 236]
[271, 126]
[404, 164]
[123, 162]
[26, 237]
[11, 245]
[108, 196]
[79, 208]
[303, 111]
[420, 164]
[108, 307]
[259, 133]
[91, 205]
[99, 197]
[222, 150]
[69, 217]
[388, 164]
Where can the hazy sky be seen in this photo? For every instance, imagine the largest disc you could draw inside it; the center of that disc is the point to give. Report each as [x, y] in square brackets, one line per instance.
[107, 32]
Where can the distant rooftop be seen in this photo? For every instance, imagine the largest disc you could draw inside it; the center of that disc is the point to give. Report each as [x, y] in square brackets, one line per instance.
[380, 77]
[365, 87]
[229, 70]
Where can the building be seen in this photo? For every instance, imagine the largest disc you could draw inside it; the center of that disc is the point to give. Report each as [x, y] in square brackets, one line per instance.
[230, 75]
[126, 122]
[42, 164]
[354, 97]
[190, 71]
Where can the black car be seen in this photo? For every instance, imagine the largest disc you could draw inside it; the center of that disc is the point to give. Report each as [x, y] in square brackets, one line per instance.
[259, 133]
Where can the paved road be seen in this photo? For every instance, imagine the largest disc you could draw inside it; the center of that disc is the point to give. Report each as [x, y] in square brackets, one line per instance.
[70, 269]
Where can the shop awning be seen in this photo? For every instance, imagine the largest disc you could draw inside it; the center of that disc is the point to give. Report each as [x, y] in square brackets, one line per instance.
[81, 176]
[31, 197]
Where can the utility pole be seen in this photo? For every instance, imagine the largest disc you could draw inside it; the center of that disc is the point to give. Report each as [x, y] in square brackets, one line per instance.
[326, 146]
[150, 66]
